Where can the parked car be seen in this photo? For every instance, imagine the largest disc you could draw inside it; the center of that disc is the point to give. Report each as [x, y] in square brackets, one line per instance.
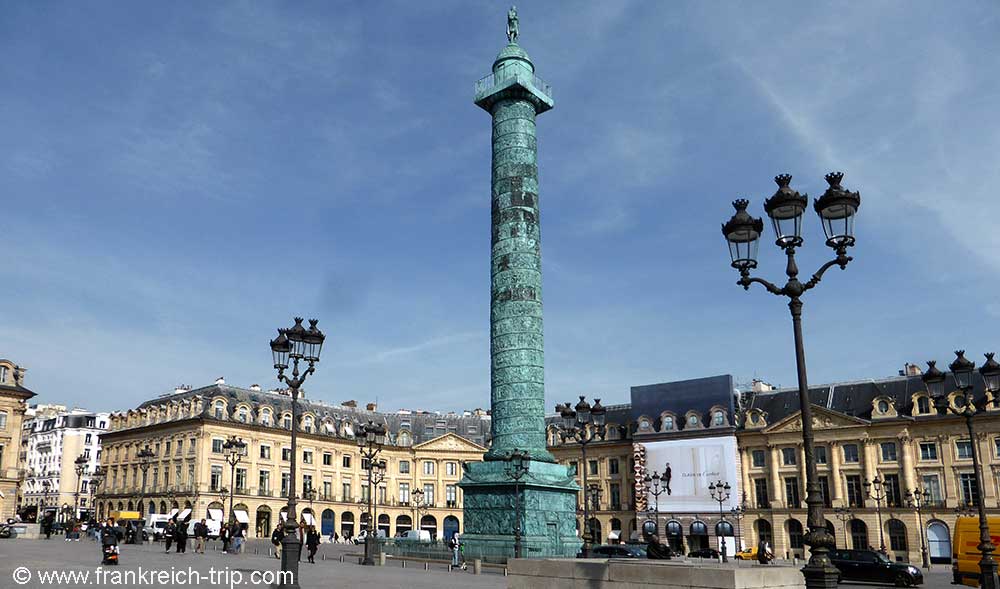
[869, 565]
[748, 553]
[618, 551]
[416, 536]
[360, 538]
[704, 553]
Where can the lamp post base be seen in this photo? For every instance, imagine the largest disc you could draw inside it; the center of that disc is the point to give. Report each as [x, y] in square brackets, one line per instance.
[820, 577]
[988, 572]
[291, 551]
[369, 559]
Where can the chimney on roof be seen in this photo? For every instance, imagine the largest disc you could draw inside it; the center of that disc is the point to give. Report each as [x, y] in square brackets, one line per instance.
[255, 388]
[371, 407]
[182, 388]
[220, 380]
[760, 386]
[352, 404]
[911, 370]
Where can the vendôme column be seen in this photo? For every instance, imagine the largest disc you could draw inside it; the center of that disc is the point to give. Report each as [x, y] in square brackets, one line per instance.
[514, 96]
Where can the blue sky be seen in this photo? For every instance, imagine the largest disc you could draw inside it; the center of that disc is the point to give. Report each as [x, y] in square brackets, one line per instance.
[179, 179]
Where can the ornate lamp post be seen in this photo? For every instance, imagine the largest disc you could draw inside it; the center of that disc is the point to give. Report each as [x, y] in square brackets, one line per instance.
[235, 449]
[964, 509]
[653, 488]
[962, 370]
[583, 424]
[738, 513]
[917, 499]
[370, 441]
[720, 492]
[80, 466]
[46, 486]
[418, 507]
[837, 209]
[844, 515]
[594, 494]
[145, 456]
[516, 470]
[95, 480]
[297, 344]
[874, 489]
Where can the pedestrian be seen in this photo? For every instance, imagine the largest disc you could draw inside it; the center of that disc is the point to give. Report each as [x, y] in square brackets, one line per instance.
[312, 543]
[657, 550]
[168, 533]
[47, 526]
[200, 534]
[456, 545]
[180, 537]
[276, 536]
[235, 537]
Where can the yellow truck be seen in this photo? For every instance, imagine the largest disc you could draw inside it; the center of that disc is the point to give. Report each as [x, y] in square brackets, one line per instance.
[965, 553]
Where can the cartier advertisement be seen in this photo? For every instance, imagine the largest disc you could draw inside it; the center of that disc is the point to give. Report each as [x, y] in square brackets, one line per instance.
[688, 467]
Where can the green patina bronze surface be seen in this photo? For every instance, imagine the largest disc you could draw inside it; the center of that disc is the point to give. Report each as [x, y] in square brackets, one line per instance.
[514, 96]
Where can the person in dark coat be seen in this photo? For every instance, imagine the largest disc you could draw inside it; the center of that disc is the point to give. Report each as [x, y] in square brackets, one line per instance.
[200, 535]
[276, 537]
[312, 543]
[181, 536]
[656, 550]
[168, 533]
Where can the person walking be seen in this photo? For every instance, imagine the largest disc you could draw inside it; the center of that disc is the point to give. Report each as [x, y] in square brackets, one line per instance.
[312, 543]
[456, 546]
[180, 537]
[168, 534]
[276, 537]
[200, 534]
[235, 537]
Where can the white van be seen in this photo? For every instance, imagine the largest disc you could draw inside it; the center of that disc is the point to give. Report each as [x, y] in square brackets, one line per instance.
[417, 536]
[214, 528]
[156, 524]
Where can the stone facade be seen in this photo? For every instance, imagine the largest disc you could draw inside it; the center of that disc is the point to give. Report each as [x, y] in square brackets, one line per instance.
[13, 404]
[186, 431]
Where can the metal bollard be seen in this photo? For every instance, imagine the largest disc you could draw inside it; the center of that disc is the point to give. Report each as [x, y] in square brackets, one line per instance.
[341, 558]
[381, 559]
[477, 566]
[425, 567]
[449, 568]
[403, 563]
[323, 556]
[505, 571]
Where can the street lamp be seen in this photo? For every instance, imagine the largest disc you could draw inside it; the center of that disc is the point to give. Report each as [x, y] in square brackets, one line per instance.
[720, 492]
[517, 470]
[370, 441]
[874, 489]
[837, 209]
[80, 466]
[962, 370]
[95, 480]
[738, 513]
[594, 494]
[653, 488]
[297, 344]
[235, 449]
[418, 507]
[46, 486]
[917, 499]
[145, 456]
[844, 515]
[964, 509]
[583, 424]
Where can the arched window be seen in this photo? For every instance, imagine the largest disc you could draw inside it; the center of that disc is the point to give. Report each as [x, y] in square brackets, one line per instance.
[718, 418]
[883, 406]
[939, 542]
[220, 409]
[668, 422]
[286, 421]
[308, 424]
[859, 535]
[923, 405]
[692, 420]
[897, 535]
[265, 417]
[795, 534]
[244, 414]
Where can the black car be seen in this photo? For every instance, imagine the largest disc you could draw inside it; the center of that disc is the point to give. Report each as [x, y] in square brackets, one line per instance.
[704, 553]
[618, 551]
[869, 565]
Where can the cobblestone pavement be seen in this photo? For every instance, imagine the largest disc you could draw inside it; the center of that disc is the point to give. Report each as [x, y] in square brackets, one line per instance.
[35, 561]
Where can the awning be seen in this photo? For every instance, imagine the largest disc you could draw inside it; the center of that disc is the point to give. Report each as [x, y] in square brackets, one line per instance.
[284, 515]
[185, 514]
[613, 535]
[215, 514]
[172, 513]
[241, 516]
[310, 520]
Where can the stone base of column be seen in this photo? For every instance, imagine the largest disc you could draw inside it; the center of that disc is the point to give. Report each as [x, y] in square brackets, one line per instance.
[548, 506]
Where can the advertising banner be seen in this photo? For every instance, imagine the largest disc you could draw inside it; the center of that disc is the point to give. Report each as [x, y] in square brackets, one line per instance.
[688, 467]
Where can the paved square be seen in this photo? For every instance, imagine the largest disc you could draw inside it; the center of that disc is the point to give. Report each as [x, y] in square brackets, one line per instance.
[213, 569]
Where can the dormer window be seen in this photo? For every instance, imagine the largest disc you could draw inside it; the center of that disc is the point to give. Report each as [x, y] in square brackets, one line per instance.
[220, 409]
[718, 418]
[265, 417]
[668, 423]
[883, 406]
[923, 405]
[308, 423]
[244, 415]
[286, 421]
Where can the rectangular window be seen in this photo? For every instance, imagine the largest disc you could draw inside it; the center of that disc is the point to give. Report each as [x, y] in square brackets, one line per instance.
[451, 468]
[404, 493]
[404, 467]
[307, 457]
[933, 486]
[180, 448]
[286, 479]
[429, 494]
[757, 458]
[428, 467]
[824, 491]
[593, 467]
[327, 491]
[616, 496]
[3, 420]
[307, 483]
[760, 492]
[286, 454]
[855, 492]
[265, 452]
[970, 489]
[574, 467]
[788, 456]
[217, 446]
[327, 459]
[264, 482]
[964, 449]
[819, 453]
[888, 451]
[346, 462]
[792, 492]
[996, 446]
[177, 474]
[345, 489]
[241, 480]
[191, 473]
[216, 480]
[380, 495]
[851, 453]
[166, 451]
[451, 495]
[612, 466]
[87, 439]
[893, 495]
[928, 451]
